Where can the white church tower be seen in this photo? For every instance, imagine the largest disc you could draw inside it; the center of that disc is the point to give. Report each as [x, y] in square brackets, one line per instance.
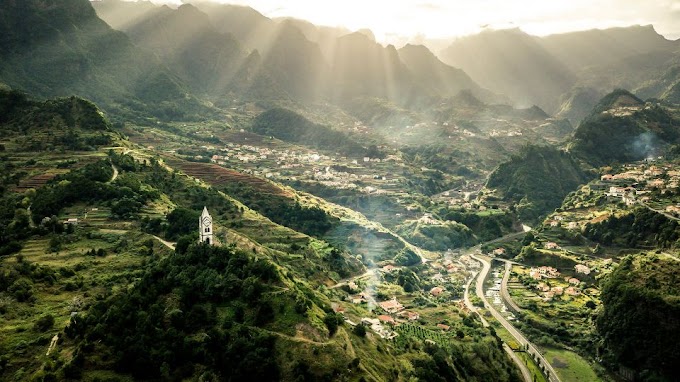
[205, 228]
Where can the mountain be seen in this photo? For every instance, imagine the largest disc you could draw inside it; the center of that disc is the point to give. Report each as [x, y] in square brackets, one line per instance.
[62, 48]
[190, 46]
[605, 47]
[577, 103]
[642, 290]
[69, 124]
[537, 180]
[434, 76]
[665, 85]
[248, 26]
[295, 63]
[622, 128]
[379, 72]
[120, 14]
[512, 63]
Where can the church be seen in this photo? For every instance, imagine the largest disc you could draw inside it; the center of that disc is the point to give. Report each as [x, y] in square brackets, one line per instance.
[205, 228]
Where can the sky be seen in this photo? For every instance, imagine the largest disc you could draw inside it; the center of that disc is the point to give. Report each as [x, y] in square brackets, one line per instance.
[393, 20]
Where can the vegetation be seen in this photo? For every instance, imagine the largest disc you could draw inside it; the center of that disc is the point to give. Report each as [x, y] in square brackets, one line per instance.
[169, 322]
[639, 228]
[537, 180]
[640, 314]
[608, 135]
[282, 210]
[290, 126]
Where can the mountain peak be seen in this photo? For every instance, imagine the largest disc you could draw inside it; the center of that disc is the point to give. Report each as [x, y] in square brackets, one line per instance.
[617, 99]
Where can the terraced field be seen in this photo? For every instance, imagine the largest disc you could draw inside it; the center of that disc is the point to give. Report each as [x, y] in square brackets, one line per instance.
[217, 176]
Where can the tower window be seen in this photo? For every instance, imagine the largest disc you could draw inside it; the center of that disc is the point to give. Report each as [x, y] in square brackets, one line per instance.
[207, 229]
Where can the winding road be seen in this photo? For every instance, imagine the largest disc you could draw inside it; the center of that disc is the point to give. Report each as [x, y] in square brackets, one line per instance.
[531, 349]
[504, 287]
[526, 373]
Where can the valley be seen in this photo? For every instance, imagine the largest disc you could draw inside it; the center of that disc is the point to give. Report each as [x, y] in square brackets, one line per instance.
[375, 214]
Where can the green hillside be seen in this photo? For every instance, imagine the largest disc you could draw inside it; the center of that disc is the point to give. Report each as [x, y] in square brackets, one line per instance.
[51, 50]
[537, 180]
[622, 128]
[290, 126]
[642, 290]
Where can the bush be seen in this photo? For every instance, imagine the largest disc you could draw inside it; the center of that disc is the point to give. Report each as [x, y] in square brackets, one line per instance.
[360, 330]
[44, 323]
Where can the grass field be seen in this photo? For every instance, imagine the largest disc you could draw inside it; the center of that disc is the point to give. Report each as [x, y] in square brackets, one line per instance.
[571, 367]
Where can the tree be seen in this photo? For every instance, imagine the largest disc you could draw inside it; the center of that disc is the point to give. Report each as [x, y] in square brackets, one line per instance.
[332, 321]
[44, 323]
[360, 330]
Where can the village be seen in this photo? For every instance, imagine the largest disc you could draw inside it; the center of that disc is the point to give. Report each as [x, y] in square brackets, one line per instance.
[438, 294]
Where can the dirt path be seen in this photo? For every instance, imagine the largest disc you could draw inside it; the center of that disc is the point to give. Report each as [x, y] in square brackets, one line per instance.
[165, 243]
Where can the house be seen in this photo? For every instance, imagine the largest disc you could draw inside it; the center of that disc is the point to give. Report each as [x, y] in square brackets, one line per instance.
[551, 245]
[572, 225]
[436, 291]
[499, 251]
[548, 272]
[353, 286]
[444, 327]
[607, 177]
[557, 291]
[673, 210]
[411, 316]
[571, 291]
[438, 278]
[73, 221]
[391, 306]
[535, 274]
[553, 223]
[389, 268]
[543, 287]
[580, 268]
[386, 319]
[574, 281]
[370, 321]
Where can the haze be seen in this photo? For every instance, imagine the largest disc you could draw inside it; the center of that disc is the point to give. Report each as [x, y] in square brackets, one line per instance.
[411, 20]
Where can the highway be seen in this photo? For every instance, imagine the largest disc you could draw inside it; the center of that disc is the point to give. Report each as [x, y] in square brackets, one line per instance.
[526, 374]
[504, 287]
[519, 337]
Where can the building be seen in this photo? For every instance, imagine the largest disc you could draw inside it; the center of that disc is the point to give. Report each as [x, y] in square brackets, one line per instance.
[386, 319]
[580, 268]
[411, 316]
[551, 245]
[205, 228]
[436, 291]
[391, 306]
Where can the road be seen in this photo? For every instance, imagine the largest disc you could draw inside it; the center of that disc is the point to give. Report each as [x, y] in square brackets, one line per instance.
[526, 374]
[115, 173]
[368, 273]
[165, 243]
[519, 337]
[658, 211]
[504, 287]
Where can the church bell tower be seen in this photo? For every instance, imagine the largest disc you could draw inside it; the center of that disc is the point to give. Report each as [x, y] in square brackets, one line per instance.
[205, 228]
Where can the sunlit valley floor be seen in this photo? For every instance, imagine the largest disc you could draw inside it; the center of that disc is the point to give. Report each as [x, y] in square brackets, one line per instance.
[433, 235]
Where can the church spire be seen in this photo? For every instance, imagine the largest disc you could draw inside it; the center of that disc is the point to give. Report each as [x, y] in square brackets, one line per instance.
[205, 227]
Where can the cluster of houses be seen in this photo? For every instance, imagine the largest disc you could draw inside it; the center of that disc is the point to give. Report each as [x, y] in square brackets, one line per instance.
[395, 315]
[549, 292]
[559, 221]
[392, 313]
[640, 179]
[309, 165]
[544, 272]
